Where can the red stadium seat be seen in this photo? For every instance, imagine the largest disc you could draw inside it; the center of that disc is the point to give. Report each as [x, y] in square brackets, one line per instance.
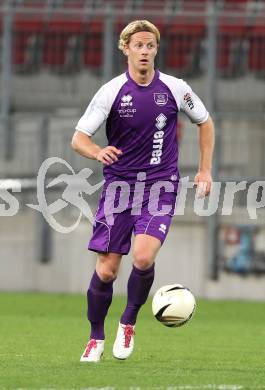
[116, 4]
[147, 5]
[188, 5]
[93, 42]
[74, 4]
[121, 61]
[27, 42]
[63, 44]
[256, 58]
[184, 38]
[232, 47]
[121, 22]
[32, 3]
[235, 4]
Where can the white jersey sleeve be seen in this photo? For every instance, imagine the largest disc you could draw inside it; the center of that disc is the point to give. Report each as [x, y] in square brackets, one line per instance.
[187, 101]
[100, 106]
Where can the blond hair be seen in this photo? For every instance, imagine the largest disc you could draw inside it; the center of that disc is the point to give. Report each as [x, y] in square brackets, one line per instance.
[135, 27]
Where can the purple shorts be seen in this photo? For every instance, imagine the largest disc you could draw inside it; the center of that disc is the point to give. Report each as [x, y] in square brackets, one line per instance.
[114, 234]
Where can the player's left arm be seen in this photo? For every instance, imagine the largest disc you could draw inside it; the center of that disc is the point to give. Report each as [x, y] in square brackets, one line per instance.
[194, 108]
[203, 180]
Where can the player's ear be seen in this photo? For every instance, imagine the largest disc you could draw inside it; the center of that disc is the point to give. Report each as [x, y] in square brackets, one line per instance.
[126, 49]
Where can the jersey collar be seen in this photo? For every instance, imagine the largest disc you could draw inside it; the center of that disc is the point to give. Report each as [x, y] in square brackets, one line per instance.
[156, 76]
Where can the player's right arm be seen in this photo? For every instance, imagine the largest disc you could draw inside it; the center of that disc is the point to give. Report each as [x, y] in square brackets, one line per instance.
[83, 144]
[94, 116]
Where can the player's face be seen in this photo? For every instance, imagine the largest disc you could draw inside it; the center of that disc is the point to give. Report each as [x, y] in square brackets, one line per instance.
[141, 51]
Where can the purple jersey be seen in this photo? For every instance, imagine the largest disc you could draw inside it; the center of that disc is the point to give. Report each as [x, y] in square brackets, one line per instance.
[142, 121]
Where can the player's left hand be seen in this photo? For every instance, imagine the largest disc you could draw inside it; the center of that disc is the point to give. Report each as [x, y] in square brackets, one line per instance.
[203, 181]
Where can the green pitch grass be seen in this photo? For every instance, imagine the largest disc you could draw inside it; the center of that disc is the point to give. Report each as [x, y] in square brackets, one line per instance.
[43, 335]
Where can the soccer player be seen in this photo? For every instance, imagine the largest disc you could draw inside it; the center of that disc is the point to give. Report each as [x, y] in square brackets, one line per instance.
[140, 108]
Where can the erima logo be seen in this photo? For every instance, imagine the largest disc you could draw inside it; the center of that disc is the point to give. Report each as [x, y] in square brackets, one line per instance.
[161, 121]
[126, 98]
[126, 101]
[162, 228]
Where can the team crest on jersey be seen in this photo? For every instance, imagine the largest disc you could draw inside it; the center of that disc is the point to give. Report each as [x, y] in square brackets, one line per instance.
[126, 101]
[160, 98]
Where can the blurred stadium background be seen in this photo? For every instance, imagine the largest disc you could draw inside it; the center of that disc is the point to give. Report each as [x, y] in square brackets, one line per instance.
[54, 56]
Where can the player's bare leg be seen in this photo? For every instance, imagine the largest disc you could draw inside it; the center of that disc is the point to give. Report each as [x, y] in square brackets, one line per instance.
[107, 266]
[139, 285]
[145, 250]
[99, 297]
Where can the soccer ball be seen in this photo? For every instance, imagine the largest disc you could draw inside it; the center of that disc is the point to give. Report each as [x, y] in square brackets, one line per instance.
[173, 305]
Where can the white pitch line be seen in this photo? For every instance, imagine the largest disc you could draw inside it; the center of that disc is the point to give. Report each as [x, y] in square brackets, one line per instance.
[179, 387]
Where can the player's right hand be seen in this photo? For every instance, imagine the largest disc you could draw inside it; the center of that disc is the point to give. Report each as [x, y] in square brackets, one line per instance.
[108, 155]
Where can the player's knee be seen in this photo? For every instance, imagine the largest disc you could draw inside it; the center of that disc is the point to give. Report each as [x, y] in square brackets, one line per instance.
[106, 274]
[142, 260]
[108, 266]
